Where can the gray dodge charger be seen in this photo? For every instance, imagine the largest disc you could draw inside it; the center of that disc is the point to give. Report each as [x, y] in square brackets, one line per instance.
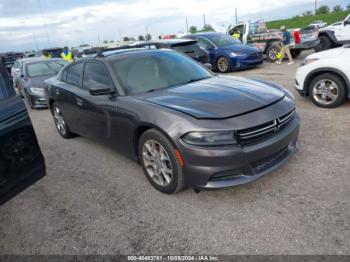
[185, 125]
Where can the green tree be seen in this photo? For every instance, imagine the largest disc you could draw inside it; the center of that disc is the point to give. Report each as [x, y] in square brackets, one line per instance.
[141, 38]
[105, 42]
[322, 10]
[207, 27]
[193, 29]
[125, 39]
[307, 13]
[338, 8]
[148, 37]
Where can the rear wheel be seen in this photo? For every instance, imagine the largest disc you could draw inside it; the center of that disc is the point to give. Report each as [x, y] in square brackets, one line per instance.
[327, 90]
[223, 65]
[295, 53]
[272, 51]
[160, 162]
[60, 123]
[324, 44]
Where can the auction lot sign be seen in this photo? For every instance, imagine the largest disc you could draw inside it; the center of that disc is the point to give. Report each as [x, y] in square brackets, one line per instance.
[122, 258]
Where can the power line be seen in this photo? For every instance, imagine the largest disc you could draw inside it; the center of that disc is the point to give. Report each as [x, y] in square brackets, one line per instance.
[44, 23]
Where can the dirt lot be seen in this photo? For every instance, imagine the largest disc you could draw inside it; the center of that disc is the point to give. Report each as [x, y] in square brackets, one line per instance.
[96, 201]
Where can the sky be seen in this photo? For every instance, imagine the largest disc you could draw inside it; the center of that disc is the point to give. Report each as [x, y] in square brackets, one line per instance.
[38, 24]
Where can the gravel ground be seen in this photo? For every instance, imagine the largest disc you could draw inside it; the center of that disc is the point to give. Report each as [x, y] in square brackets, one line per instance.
[96, 201]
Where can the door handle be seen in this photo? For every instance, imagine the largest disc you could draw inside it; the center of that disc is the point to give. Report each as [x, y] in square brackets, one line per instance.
[79, 101]
[57, 91]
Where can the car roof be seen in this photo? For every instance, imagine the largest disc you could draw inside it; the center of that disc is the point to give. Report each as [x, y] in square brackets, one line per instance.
[207, 34]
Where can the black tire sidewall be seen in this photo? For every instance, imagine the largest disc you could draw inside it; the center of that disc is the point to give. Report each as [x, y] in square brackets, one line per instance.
[342, 92]
[325, 44]
[177, 182]
[228, 62]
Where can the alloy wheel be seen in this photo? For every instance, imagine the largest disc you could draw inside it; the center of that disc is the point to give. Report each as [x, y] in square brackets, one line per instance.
[157, 163]
[223, 64]
[325, 91]
[59, 120]
[273, 53]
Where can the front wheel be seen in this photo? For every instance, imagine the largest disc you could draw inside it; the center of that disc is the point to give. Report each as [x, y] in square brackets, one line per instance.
[324, 44]
[223, 65]
[295, 53]
[60, 123]
[160, 162]
[327, 90]
[272, 51]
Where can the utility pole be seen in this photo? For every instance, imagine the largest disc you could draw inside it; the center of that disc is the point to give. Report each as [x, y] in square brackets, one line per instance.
[236, 18]
[315, 7]
[36, 42]
[186, 25]
[204, 21]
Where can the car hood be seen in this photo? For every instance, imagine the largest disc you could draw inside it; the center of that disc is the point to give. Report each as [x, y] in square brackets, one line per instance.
[38, 81]
[241, 49]
[331, 53]
[216, 97]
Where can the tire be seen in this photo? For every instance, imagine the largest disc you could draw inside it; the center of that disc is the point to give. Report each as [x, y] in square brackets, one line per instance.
[327, 90]
[223, 65]
[60, 123]
[271, 53]
[295, 53]
[29, 101]
[325, 44]
[151, 146]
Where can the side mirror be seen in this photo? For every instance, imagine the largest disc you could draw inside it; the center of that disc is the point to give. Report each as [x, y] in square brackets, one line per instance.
[208, 66]
[100, 90]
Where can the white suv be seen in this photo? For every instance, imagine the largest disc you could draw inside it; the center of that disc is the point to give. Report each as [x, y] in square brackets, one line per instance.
[325, 77]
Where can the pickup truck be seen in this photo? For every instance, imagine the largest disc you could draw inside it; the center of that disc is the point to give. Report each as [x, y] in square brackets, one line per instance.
[334, 35]
[270, 41]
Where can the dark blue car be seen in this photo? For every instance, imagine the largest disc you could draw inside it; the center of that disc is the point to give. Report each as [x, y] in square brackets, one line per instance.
[226, 53]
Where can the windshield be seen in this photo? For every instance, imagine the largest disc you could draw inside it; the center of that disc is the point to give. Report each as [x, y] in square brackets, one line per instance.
[222, 40]
[45, 68]
[140, 73]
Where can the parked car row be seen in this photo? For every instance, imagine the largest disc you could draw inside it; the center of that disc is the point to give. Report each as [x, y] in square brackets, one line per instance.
[185, 125]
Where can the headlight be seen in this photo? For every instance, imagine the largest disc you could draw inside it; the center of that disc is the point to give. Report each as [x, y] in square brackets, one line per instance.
[233, 54]
[308, 61]
[217, 138]
[37, 91]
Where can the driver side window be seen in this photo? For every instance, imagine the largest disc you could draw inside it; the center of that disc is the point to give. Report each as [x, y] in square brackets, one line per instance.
[95, 74]
[204, 43]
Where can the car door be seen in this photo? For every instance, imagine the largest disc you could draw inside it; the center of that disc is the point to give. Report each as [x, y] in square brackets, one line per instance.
[344, 31]
[21, 160]
[95, 109]
[207, 45]
[65, 90]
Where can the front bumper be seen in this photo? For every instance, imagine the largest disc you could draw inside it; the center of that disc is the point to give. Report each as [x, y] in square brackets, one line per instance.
[228, 166]
[37, 101]
[300, 80]
[248, 61]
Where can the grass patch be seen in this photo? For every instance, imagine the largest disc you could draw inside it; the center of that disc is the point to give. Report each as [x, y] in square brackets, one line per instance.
[303, 21]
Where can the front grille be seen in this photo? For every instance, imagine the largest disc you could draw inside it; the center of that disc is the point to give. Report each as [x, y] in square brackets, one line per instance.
[261, 132]
[269, 161]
